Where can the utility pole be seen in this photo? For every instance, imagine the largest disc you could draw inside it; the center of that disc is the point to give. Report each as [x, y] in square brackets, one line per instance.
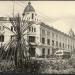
[13, 7]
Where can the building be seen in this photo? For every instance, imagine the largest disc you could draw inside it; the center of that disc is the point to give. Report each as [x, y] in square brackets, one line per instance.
[44, 40]
[6, 29]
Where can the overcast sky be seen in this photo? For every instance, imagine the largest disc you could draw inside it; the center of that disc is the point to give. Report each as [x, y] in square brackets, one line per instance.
[59, 14]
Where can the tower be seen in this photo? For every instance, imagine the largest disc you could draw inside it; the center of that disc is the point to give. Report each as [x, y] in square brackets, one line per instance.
[29, 13]
[71, 33]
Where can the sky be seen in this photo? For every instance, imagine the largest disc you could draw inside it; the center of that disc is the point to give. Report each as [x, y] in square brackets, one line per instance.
[59, 14]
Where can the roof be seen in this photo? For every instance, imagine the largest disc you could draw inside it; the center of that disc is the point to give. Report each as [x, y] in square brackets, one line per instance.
[43, 24]
[29, 8]
[3, 18]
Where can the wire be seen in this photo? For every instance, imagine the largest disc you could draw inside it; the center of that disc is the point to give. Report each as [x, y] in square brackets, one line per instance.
[20, 4]
[44, 16]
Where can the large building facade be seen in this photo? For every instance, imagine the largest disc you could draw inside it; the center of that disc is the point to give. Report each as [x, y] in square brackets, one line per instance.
[44, 40]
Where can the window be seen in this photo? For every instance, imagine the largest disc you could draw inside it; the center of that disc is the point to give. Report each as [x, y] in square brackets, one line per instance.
[32, 15]
[43, 40]
[52, 35]
[53, 51]
[12, 37]
[48, 41]
[29, 28]
[68, 46]
[48, 51]
[43, 52]
[31, 39]
[1, 38]
[0, 27]
[56, 36]
[48, 33]
[34, 29]
[43, 32]
[52, 42]
[57, 43]
[63, 45]
[11, 28]
[60, 44]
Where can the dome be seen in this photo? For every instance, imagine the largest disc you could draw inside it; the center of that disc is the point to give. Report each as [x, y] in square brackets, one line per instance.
[29, 8]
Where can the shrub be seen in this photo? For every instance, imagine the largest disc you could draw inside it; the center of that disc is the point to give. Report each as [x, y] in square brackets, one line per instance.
[72, 62]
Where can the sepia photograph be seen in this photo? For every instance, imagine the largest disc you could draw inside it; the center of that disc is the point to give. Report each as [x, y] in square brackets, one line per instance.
[37, 37]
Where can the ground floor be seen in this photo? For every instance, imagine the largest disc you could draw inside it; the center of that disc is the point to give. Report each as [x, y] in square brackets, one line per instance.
[41, 51]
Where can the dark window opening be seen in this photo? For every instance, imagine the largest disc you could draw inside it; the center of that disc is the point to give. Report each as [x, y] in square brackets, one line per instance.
[63, 45]
[43, 40]
[68, 46]
[32, 15]
[48, 41]
[48, 51]
[52, 42]
[53, 51]
[60, 44]
[53, 35]
[11, 28]
[0, 27]
[56, 36]
[48, 33]
[34, 29]
[31, 39]
[57, 43]
[1, 38]
[29, 28]
[43, 32]
[43, 52]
